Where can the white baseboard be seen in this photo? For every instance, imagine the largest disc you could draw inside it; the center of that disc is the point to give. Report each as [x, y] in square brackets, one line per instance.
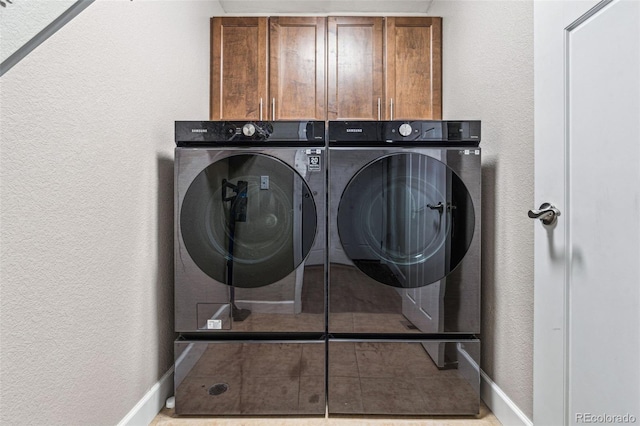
[151, 403]
[500, 404]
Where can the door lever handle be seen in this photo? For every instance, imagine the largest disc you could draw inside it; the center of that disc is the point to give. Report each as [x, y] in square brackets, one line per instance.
[439, 207]
[547, 213]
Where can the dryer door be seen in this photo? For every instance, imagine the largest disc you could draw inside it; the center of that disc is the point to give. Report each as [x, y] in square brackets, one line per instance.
[406, 220]
[248, 220]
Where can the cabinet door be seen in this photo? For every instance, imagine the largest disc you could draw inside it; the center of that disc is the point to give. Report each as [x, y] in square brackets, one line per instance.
[238, 68]
[355, 68]
[297, 68]
[414, 68]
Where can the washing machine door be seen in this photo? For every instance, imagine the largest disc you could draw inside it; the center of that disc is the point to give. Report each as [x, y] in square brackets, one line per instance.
[248, 220]
[406, 220]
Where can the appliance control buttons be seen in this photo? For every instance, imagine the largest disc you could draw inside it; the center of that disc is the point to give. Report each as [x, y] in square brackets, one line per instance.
[248, 129]
[228, 131]
[405, 129]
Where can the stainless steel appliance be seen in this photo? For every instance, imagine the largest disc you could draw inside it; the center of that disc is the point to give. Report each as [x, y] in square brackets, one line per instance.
[404, 267]
[250, 267]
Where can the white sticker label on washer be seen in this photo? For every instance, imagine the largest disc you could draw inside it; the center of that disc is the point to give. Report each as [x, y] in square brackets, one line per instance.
[314, 163]
[214, 324]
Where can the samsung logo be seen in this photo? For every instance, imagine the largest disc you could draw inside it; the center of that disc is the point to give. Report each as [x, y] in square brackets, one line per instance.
[198, 130]
[354, 130]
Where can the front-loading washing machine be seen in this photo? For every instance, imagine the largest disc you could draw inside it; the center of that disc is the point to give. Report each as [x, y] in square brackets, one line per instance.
[250, 268]
[404, 267]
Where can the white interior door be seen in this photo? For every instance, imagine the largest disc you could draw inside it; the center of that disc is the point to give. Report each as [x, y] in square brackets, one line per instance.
[587, 265]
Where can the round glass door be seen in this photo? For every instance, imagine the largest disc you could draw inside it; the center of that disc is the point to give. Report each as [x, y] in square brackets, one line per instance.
[406, 220]
[248, 220]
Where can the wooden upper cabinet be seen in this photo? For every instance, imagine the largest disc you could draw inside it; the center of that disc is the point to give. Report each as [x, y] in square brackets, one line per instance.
[239, 68]
[297, 68]
[414, 68]
[355, 68]
[335, 68]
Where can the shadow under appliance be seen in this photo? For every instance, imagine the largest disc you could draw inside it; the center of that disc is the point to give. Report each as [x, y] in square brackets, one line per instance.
[250, 268]
[404, 267]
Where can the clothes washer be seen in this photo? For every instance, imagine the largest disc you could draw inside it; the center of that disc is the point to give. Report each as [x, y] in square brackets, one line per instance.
[404, 267]
[250, 268]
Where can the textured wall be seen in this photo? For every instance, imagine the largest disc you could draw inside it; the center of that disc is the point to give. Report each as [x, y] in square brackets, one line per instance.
[86, 175]
[22, 20]
[488, 75]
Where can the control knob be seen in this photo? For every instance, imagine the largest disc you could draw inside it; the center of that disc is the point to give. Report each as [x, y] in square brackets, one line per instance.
[248, 129]
[405, 129]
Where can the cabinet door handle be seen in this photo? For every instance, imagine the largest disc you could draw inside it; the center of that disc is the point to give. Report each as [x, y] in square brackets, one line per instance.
[260, 109]
[273, 109]
[392, 108]
[378, 109]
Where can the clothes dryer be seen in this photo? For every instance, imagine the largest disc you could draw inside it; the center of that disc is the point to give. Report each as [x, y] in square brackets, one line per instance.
[250, 267]
[404, 267]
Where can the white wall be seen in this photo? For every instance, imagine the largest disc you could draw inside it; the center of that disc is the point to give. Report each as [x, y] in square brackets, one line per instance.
[86, 175]
[22, 20]
[488, 75]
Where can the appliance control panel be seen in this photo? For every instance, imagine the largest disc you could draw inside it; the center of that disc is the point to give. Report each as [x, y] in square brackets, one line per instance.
[234, 133]
[418, 132]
